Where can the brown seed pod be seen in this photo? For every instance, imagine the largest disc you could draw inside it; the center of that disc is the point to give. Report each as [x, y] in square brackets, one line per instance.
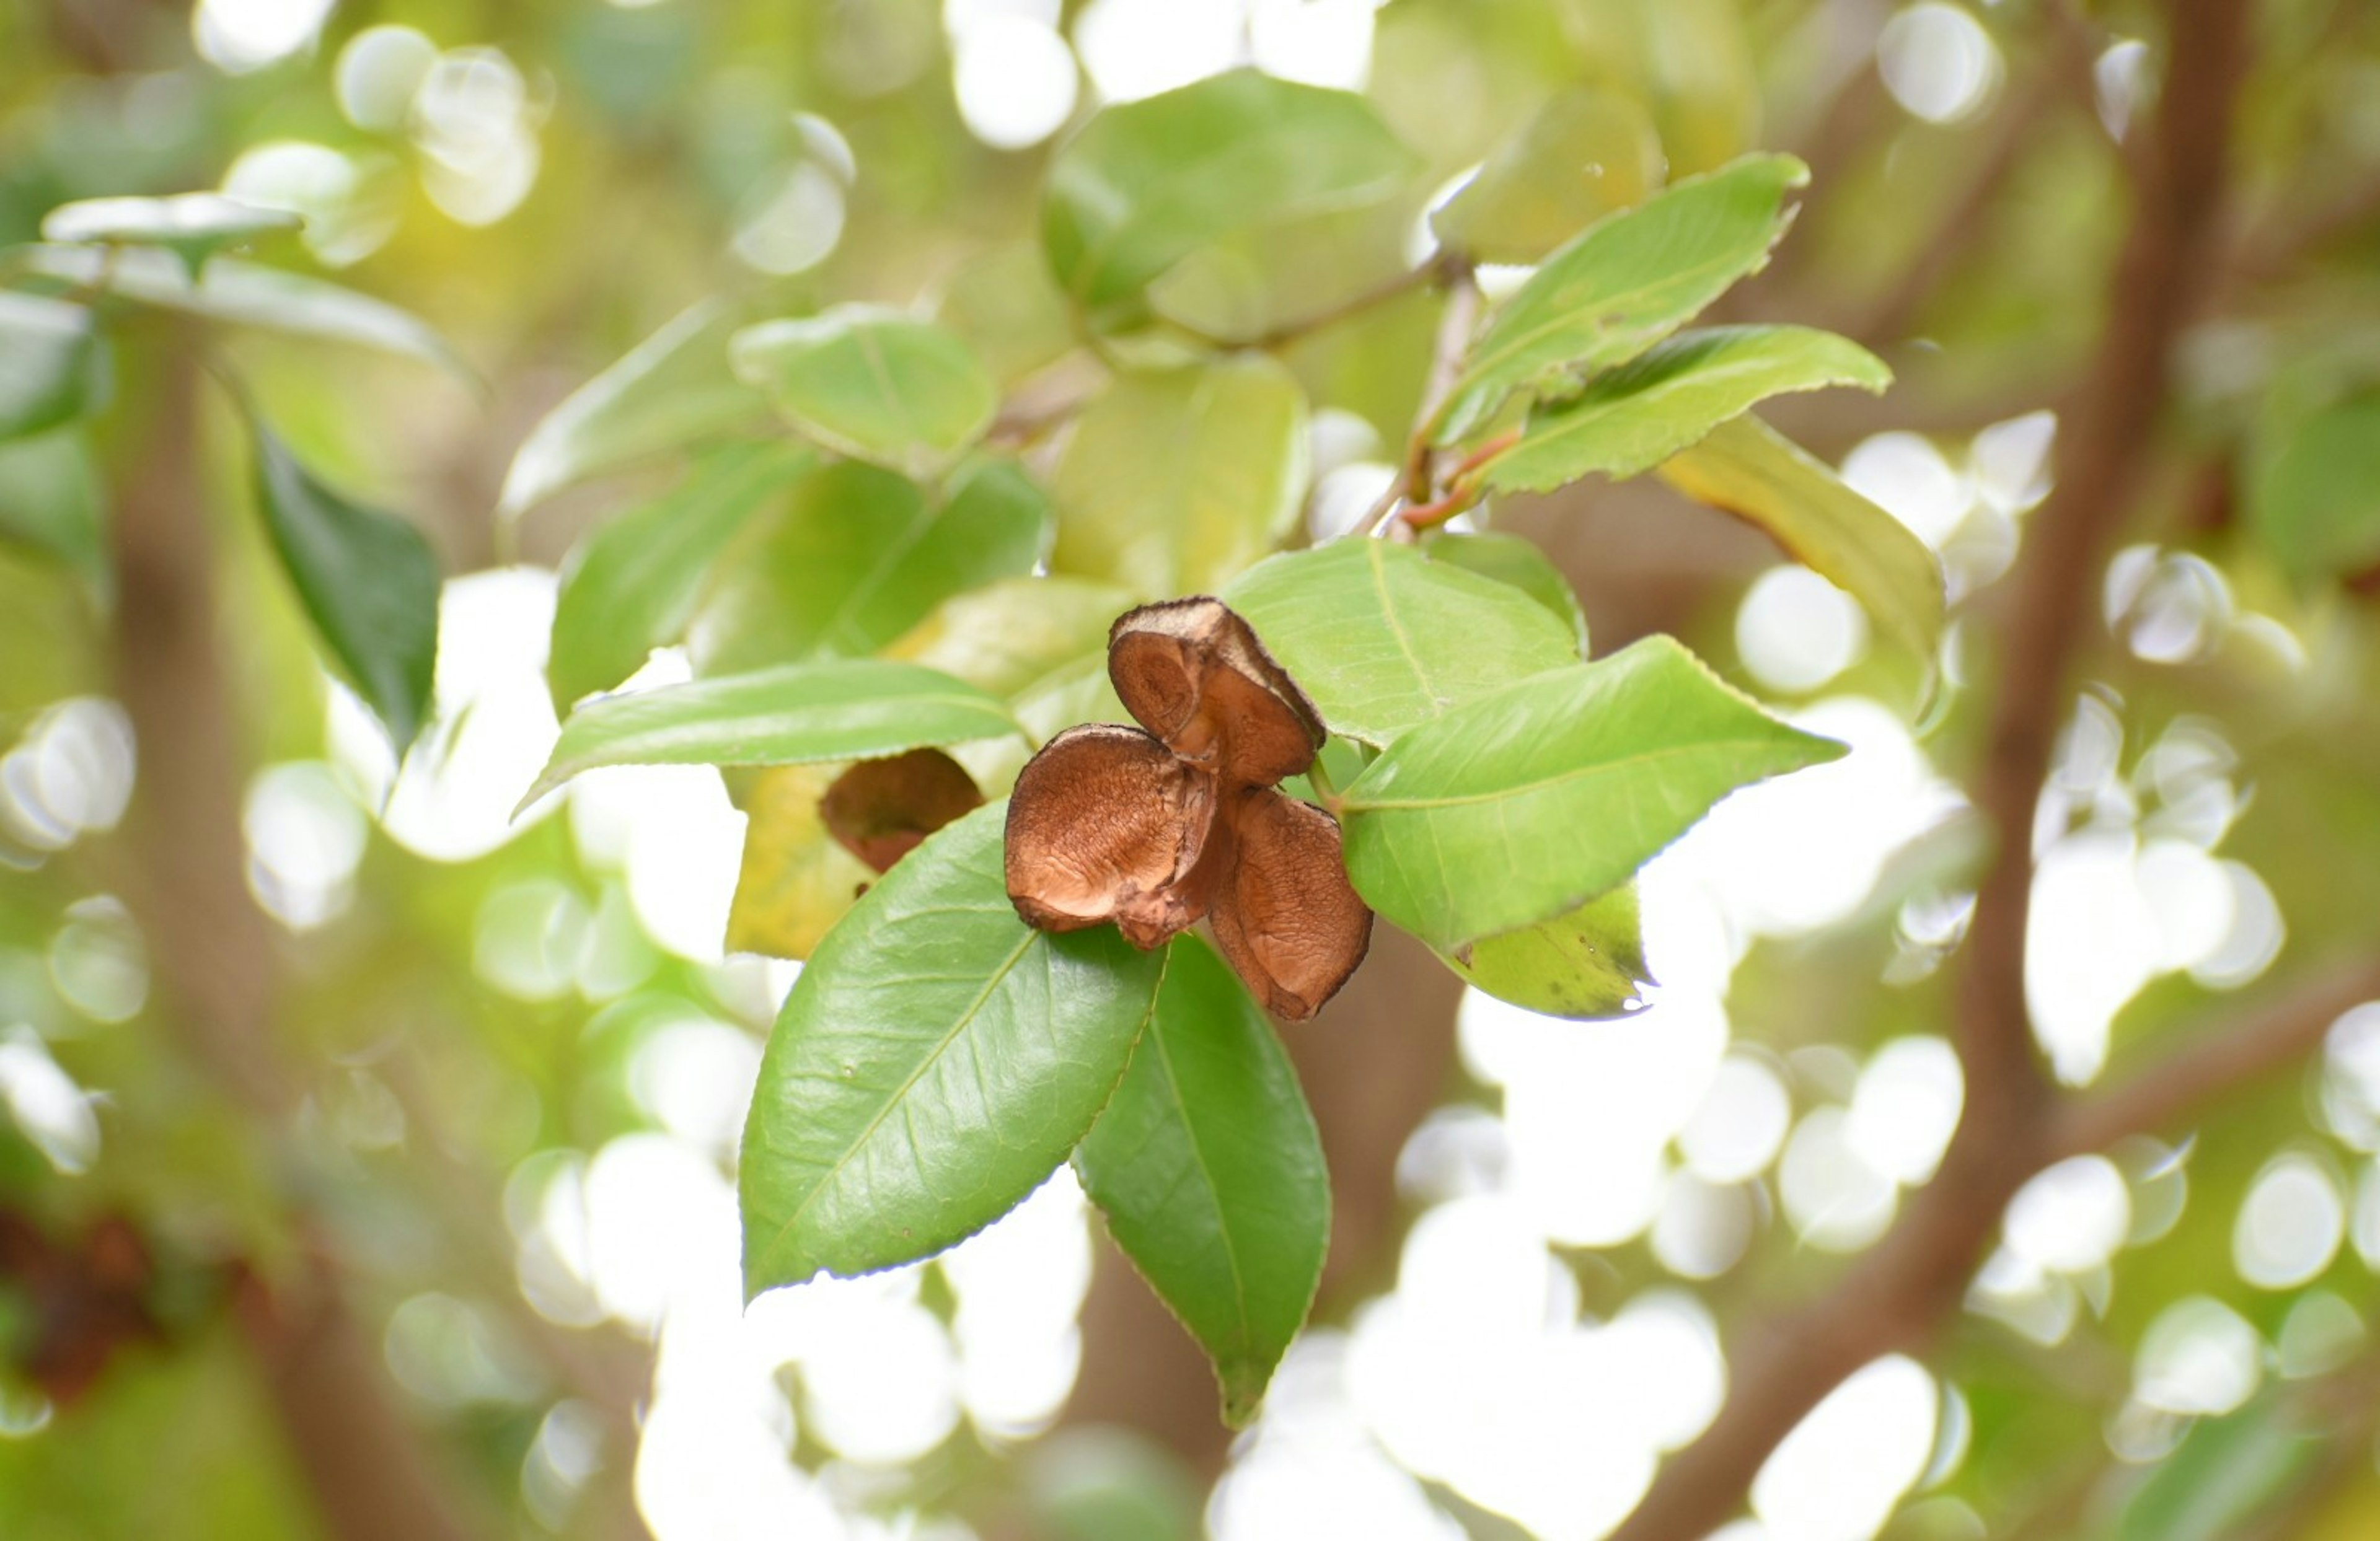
[1106, 824]
[1289, 923]
[880, 811]
[1192, 673]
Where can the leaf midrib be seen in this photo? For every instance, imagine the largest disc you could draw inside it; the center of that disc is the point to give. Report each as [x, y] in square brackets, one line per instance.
[1354, 804]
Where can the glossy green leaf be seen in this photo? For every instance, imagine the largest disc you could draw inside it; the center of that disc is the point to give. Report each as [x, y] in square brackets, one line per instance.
[1519, 807]
[1586, 964]
[1173, 482]
[1521, 562]
[1008, 634]
[857, 555]
[244, 294]
[368, 582]
[1623, 284]
[843, 709]
[193, 226]
[1209, 1169]
[1383, 639]
[631, 585]
[796, 879]
[2313, 495]
[50, 501]
[1009, 310]
[936, 1061]
[671, 391]
[1146, 183]
[1750, 470]
[1585, 153]
[872, 382]
[49, 363]
[1633, 417]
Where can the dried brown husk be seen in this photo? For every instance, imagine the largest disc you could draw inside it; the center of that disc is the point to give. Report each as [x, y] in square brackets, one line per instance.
[880, 811]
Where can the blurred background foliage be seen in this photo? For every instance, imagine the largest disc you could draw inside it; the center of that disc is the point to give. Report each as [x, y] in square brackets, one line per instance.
[408, 1250]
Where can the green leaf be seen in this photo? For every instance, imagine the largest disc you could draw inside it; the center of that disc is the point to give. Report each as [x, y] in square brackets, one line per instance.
[936, 1061]
[1623, 284]
[671, 391]
[1147, 183]
[1750, 470]
[1209, 1169]
[1640, 414]
[1271, 280]
[244, 293]
[1009, 635]
[367, 580]
[1586, 964]
[1584, 153]
[844, 708]
[1008, 308]
[50, 501]
[857, 556]
[1173, 482]
[1383, 639]
[193, 226]
[49, 363]
[2225, 1474]
[796, 879]
[871, 383]
[1519, 807]
[631, 585]
[2313, 495]
[1510, 559]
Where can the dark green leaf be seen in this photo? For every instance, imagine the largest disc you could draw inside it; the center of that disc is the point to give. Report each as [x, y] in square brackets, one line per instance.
[1623, 284]
[1585, 153]
[50, 501]
[244, 293]
[631, 585]
[193, 226]
[1383, 639]
[1587, 964]
[1640, 414]
[872, 382]
[1209, 1169]
[858, 556]
[1510, 558]
[1519, 807]
[671, 391]
[49, 363]
[843, 709]
[1147, 182]
[1173, 482]
[2314, 497]
[367, 581]
[935, 1063]
[1750, 470]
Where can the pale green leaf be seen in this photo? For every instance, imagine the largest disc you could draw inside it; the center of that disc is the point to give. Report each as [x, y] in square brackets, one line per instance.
[871, 383]
[1147, 183]
[1209, 1169]
[1009, 310]
[796, 879]
[367, 580]
[49, 363]
[1635, 417]
[1510, 559]
[1586, 964]
[1009, 634]
[1750, 470]
[1624, 284]
[1383, 639]
[1173, 482]
[631, 585]
[1520, 806]
[50, 501]
[937, 1059]
[671, 391]
[2314, 494]
[842, 709]
[1584, 153]
[193, 226]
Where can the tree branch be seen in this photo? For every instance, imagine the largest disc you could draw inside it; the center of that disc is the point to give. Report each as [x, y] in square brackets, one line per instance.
[1897, 1295]
[2216, 1062]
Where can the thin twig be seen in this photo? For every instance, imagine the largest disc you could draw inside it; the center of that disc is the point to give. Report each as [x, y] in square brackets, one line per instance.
[1412, 484]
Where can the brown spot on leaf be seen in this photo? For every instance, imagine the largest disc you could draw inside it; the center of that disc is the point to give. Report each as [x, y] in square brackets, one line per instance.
[880, 811]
